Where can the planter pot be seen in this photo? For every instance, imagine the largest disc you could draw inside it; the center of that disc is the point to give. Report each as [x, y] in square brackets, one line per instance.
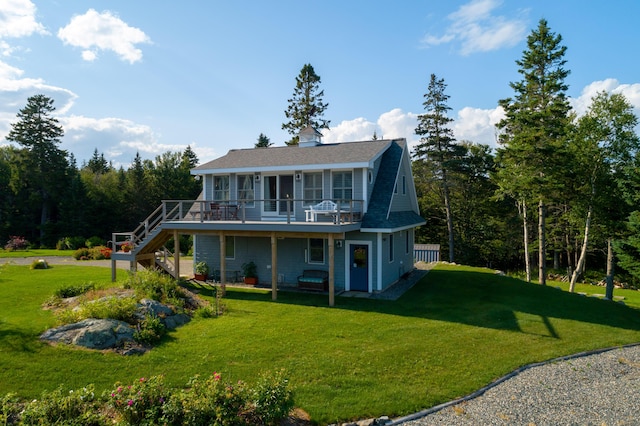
[200, 277]
[251, 280]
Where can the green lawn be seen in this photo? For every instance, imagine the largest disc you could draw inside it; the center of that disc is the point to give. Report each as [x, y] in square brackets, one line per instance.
[455, 331]
[35, 253]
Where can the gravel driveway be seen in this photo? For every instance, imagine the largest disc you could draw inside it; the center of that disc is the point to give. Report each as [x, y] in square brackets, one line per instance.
[596, 389]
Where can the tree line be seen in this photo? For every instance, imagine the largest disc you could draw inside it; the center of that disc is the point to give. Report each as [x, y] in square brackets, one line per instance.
[47, 198]
[560, 189]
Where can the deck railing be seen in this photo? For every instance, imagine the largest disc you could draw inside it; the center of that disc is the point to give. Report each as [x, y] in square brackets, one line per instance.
[347, 211]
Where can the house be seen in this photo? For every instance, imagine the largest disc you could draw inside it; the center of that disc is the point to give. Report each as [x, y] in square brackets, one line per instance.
[346, 209]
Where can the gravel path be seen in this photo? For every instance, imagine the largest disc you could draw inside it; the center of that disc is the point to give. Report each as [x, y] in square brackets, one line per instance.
[596, 389]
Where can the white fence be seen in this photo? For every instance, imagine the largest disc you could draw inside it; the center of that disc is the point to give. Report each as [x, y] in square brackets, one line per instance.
[426, 252]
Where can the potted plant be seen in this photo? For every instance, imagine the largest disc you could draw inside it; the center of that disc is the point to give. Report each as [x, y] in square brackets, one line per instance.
[127, 246]
[250, 272]
[202, 271]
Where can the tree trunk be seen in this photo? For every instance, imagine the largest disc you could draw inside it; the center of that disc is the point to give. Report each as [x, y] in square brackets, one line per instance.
[583, 252]
[569, 257]
[525, 229]
[542, 253]
[610, 271]
[447, 207]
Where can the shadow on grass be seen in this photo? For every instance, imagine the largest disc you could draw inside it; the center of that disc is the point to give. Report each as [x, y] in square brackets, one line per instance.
[16, 340]
[477, 298]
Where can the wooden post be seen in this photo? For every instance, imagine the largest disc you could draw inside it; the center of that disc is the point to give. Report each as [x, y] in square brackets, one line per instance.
[332, 271]
[223, 264]
[274, 266]
[176, 254]
[113, 270]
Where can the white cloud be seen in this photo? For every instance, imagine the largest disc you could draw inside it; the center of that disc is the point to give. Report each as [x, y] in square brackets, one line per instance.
[358, 129]
[17, 19]
[477, 30]
[95, 31]
[118, 139]
[390, 125]
[609, 85]
[477, 125]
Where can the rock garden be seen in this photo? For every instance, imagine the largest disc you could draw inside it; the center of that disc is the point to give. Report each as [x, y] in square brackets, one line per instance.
[127, 319]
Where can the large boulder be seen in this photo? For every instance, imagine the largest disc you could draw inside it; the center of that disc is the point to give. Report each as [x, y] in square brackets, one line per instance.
[153, 307]
[92, 333]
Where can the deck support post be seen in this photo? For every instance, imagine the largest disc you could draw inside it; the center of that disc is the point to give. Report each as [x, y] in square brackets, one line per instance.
[223, 264]
[332, 271]
[274, 266]
[176, 254]
[113, 270]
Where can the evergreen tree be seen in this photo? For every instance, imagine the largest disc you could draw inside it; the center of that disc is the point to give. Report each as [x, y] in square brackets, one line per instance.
[533, 157]
[305, 107]
[263, 141]
[98, 164]
[39, 172]
[438, 146]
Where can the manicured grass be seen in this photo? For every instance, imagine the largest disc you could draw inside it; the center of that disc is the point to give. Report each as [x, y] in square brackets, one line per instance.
[455, 331]
[35, 253]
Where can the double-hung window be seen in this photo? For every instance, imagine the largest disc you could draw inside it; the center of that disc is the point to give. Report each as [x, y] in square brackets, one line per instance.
[312, 188]
[342, 186]
[316, 250]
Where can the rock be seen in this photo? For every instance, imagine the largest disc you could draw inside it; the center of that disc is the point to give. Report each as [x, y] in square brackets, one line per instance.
[174, 321]
[149, 306]
[92, 333]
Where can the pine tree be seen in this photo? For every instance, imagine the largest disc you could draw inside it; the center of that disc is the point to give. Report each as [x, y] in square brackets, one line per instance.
[40, 169]
[263, 141]
[438, 146]
[305, 107]
[533, 157]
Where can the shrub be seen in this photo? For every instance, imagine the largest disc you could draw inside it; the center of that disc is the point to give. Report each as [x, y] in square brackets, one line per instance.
[118, 308]
[272, 398]
[149, 330]
[154, 285]
[81, 254]
[149, 402]
[70, 243]
[74, 290]
[99, 253]
[9, 409]
[94, 242]
[16, 243]
[39, 264]
[68, 408]
[207, 402]
[140, 402]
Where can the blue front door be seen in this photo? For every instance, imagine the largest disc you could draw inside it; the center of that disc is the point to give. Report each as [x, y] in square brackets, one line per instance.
[359, 269]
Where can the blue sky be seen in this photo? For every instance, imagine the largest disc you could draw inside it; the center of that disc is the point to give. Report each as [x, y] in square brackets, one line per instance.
[151, 76]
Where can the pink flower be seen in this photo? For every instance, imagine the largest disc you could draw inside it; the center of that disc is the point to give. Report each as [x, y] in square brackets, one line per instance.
[216, 376]
[141, 379]
[130, 403]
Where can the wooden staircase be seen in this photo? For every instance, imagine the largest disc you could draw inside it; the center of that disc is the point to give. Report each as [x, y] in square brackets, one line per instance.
[149, 240]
